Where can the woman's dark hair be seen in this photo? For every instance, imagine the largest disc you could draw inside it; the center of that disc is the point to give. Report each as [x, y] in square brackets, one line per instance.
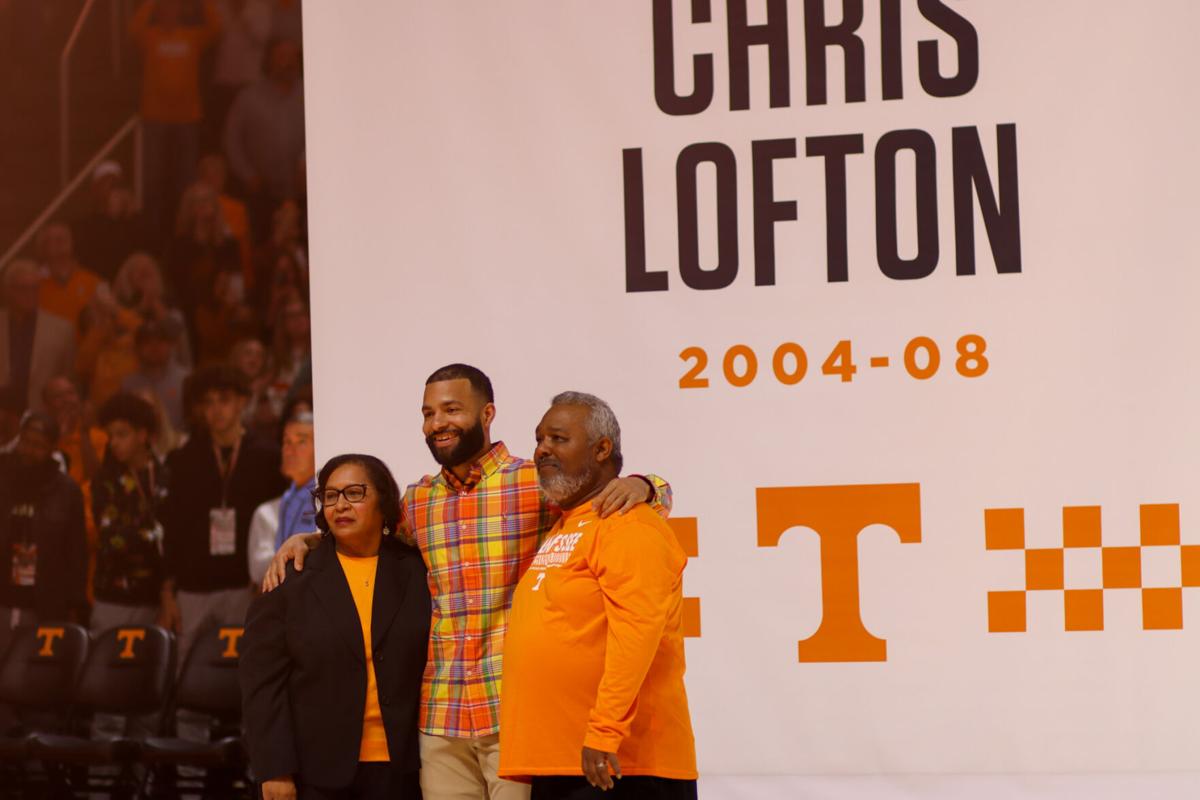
[128, 407]
[219, 378]
[381, 480]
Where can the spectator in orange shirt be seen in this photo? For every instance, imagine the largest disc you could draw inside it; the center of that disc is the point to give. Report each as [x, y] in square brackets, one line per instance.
[172, 36]
[68, 287]
[212, 172]
[593, 659]
[83, 453]
[106, 355]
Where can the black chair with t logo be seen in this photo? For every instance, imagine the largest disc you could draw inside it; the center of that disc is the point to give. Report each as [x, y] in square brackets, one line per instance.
[208, 685]
[128, 674]
[38, 673]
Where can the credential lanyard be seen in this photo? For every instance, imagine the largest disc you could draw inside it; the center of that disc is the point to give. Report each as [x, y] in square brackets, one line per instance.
[226, 470]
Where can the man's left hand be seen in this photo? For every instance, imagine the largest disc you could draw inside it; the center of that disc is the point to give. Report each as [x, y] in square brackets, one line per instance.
[596, 765]
[620, 495]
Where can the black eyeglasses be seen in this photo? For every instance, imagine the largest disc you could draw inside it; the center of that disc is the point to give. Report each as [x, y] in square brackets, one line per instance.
[354, 493]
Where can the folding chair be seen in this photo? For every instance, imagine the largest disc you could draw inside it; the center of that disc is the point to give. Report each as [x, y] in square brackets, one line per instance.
[127, 673]
[38, 673]
[208, 685]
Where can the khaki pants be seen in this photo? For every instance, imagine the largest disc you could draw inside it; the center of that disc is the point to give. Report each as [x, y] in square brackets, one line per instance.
[465, 769]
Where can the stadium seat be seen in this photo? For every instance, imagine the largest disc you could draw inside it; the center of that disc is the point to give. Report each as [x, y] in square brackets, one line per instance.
[38, 673]
[127, 673]
[208, 685]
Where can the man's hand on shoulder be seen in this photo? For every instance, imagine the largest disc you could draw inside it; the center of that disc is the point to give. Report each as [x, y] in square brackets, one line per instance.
[622, 494]
[296, 547]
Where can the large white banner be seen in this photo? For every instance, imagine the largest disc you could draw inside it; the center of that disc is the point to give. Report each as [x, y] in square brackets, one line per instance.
[899, 296]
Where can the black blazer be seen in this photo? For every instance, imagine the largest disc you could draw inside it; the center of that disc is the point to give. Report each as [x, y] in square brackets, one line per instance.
[303, 667]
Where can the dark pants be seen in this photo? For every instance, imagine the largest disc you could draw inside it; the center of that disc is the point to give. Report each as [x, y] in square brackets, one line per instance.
[372, 781]
[635, 787]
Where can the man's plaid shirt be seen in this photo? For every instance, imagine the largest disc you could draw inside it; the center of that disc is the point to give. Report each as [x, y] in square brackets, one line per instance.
[477, 537]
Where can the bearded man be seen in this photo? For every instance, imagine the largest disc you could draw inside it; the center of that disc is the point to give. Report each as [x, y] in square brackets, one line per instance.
[478, 523]
[593, 697]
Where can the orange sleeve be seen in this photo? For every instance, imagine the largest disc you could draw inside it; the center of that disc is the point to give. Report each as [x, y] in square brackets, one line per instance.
[639, 573]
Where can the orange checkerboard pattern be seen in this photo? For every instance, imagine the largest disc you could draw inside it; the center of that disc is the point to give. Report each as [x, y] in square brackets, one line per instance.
[1162, 607]
[686, 531]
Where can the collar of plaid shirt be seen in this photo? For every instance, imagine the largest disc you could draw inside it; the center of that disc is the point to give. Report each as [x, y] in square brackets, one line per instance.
[487, 464]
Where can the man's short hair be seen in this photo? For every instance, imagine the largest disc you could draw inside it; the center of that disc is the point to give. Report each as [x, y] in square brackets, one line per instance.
[601, 421]
[129, 407]
[479, 382]
[41, 421]
[219, 378]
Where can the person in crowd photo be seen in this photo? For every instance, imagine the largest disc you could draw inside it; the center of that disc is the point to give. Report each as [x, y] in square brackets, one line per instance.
[453, 517]
[34, 345]
[264, 133]
[158, 370]
[80, 442]
[245, 28]
[127, 498]
[249, 356]
[43, 543]
[106, 354]
[213, 172]
[332, 662]
[291, 350]
[593, 698]
[214, 484]
[114, 227]
[222, 319]
[172, 43]
[68, 287]
[203, 247]
[277, 520]
[141, 288]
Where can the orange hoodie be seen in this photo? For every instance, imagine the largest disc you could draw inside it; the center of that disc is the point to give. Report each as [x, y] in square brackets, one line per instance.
[594, 651]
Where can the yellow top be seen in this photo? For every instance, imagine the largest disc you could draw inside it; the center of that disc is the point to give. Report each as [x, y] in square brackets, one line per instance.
[360, 574]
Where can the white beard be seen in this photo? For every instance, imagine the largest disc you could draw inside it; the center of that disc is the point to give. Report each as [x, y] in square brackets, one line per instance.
[561, 488]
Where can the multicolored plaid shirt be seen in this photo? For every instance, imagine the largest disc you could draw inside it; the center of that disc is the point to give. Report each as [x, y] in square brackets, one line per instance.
[477, 537]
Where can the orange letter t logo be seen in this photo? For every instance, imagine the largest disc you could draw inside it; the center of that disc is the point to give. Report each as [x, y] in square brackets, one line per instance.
[838, 514]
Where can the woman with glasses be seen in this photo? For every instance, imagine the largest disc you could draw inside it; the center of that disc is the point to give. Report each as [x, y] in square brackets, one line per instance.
[332, 661]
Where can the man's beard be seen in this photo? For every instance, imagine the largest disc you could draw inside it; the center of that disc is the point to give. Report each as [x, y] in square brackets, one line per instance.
[560, 487]
[470, 442]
